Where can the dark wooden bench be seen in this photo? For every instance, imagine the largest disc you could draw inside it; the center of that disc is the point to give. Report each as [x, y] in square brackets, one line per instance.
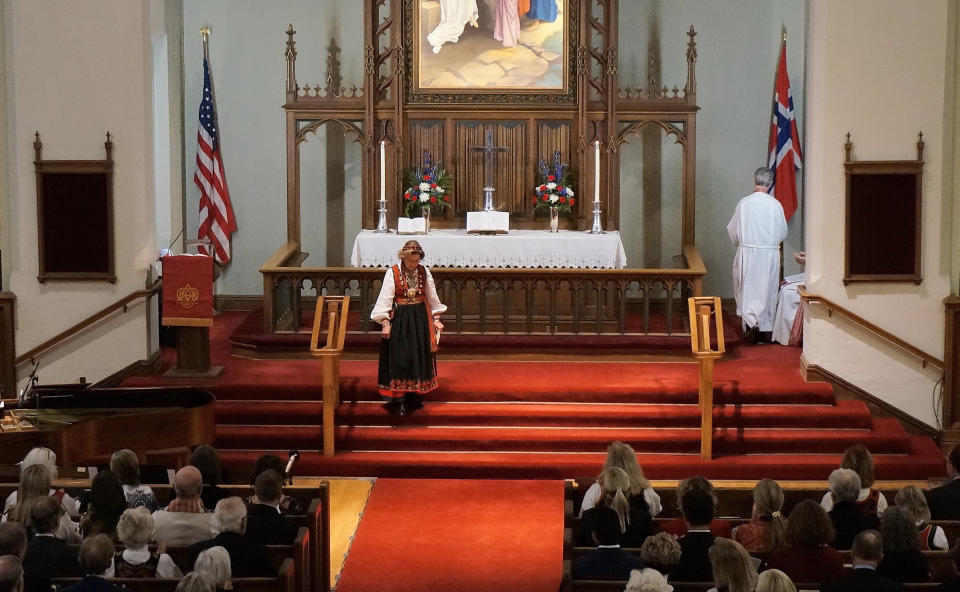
[285, 581]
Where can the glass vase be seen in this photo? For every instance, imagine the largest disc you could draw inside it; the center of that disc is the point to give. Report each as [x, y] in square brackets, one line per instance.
[425, 212]
[554, 219]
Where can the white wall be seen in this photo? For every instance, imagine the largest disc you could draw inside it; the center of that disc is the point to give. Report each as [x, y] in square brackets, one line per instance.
[74, 71]
[878, 69]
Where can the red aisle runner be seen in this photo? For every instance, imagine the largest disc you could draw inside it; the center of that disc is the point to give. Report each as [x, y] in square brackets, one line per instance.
[455, 535]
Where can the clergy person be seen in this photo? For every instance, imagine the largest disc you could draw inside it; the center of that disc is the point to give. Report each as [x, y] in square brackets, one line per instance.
[757, 227]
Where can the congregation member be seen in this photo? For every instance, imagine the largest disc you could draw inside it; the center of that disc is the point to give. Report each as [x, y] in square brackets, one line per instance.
[13, 539]
[870, 501]
[96, 555]
[718, 526]
[932, 537]
[35, 485]
[757, 227]
[265, 524]
[213, 565]
[248, 559]
[733, 569]
[848, 520]
[944, 501]
[135, 531]
[47, 556]
[867, 552]
[622, 456]
[661, 552]
[105, 506]
[185, 520]
[195, 582]
[636, 524]
[765, 530]
[11, 574]
[408, 310]
[288, 505]
[207, 461]
[902, 559]
[694, 564]
[126, 465]
[47, 458]
[807, 555]
[774, 580]
[609, 561]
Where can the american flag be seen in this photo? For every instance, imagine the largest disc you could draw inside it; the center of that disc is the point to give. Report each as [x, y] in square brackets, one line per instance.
[216, 213]
[785, 154]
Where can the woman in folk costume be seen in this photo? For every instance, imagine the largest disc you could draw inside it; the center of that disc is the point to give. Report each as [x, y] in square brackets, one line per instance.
[408, 309]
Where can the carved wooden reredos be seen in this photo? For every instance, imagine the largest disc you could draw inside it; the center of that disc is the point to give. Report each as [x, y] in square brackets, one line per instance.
[592, 105]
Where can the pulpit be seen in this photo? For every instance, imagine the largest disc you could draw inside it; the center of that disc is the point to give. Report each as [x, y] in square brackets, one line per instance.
[188, 305]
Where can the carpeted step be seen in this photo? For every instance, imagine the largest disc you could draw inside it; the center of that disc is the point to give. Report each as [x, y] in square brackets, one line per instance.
[542, 465]
[845, 414]
[562, 439]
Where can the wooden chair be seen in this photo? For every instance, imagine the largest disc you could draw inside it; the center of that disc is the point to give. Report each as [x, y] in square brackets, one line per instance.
[334, 309]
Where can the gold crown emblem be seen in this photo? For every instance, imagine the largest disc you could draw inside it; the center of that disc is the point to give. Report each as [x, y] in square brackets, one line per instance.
[187, 296]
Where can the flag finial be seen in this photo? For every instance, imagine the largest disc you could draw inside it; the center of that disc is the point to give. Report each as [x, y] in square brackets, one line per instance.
[783, 33]
[205, 32]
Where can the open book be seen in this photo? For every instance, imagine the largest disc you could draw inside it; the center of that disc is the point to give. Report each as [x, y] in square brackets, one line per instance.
[488, 222]
[411, 226]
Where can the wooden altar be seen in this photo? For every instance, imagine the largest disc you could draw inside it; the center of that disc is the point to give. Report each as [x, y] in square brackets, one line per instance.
[396, 109]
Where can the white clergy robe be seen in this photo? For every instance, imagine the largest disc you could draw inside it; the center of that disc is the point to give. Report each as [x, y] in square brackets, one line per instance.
[788, 305]
[757, 228]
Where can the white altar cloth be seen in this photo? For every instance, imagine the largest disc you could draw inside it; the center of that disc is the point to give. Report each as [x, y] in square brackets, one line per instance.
[521, 248]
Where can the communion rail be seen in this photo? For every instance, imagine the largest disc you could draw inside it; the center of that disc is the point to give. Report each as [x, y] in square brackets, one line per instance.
[501, 301]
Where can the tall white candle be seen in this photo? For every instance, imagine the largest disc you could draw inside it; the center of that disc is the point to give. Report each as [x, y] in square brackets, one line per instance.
[383, 171]
[596, 171]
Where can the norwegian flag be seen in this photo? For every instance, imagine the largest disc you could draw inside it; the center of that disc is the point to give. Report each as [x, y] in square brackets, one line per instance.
[786, 156]
[216, 212]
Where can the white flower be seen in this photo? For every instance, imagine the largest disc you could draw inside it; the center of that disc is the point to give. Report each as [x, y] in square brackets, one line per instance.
[554, 198]
[424, 197]
[424, 186]
[441, 189]
[551, 185]
[569, 192]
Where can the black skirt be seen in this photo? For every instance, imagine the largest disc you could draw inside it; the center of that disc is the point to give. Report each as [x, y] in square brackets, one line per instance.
[407, 364]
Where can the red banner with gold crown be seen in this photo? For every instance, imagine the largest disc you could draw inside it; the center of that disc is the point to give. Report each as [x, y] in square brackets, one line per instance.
[188, 290]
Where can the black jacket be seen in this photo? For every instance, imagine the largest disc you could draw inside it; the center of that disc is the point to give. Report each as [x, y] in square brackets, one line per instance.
[862, 580]
[247, 558]
[944, 501]
[266, 526]
[606, 564]
[47, 557]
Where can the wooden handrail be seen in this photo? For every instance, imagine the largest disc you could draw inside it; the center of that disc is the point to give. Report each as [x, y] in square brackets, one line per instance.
[924, 357]
[277, 260]
[94, 318]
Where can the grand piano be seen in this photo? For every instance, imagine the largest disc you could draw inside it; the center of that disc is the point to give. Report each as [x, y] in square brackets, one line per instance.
[83, 424]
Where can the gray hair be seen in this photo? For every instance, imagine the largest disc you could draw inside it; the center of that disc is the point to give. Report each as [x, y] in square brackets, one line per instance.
[214, 565]
[195, 582]
[135, 527]
[763, 177]
[230, 513]
[844, 485]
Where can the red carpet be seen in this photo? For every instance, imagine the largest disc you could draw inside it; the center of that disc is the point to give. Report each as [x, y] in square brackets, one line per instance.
[551, 420]
[507, 535]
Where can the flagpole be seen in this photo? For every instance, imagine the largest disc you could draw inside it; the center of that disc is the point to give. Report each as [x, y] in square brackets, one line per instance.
[205, 36]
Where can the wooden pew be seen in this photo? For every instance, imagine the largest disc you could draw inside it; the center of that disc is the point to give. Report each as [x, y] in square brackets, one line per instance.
[285, 581]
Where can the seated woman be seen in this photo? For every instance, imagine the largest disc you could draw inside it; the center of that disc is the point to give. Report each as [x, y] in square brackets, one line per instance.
[622, 456]
[107, 503]
[213, 565]
[848, 520]
[764, 532]
[870, 501]
[207, 461]
[733, 569]
[47, 458]
[195, 582]
[135, 531]
[932, 537]
[636, 524]
[126, 465]
[902, 559]
[288, 505]
[807, 556]
[34, 485]
[774, 580]
[660, 553]
[677, 527]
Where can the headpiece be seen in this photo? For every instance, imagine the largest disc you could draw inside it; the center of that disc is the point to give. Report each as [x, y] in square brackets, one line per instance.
[411, 246]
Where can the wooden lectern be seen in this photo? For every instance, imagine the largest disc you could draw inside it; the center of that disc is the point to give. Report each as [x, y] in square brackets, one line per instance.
[188, 305]
[702, 308]
[334, 309]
